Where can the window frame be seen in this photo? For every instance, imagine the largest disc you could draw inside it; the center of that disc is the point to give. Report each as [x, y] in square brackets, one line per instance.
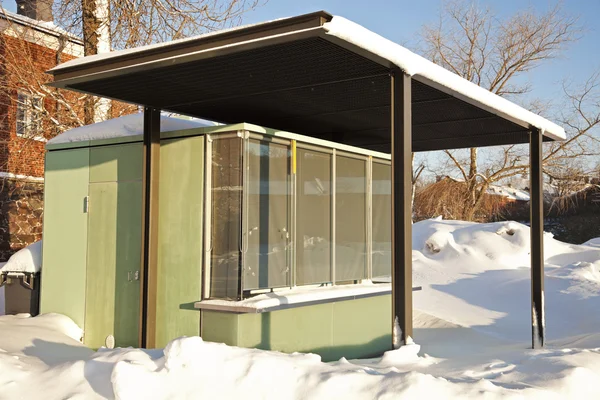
[295, 144]
[388, 163]
[246, 210]
[28, 116]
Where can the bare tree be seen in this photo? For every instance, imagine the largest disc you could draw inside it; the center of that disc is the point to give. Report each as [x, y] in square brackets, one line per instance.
[106, 25]
[32, 112]
[493, 53]
[416, 175]
[140, 22]
[122, 23]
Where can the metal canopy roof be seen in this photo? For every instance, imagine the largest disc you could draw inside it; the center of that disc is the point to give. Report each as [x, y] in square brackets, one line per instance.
[290, 75]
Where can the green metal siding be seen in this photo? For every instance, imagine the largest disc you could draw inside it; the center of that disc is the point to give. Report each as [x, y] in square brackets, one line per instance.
[65, 233]
[353, 329]
[114, 245]
[116, 163]
[114, 242]
[180, 238]
[220, 327]
[361, 328]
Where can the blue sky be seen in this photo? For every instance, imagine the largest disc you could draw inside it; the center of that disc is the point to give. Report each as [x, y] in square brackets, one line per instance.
[402, 20]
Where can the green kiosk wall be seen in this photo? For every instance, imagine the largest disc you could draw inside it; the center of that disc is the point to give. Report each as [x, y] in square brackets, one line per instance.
[92, 236]
[356, 328]
[91, 257]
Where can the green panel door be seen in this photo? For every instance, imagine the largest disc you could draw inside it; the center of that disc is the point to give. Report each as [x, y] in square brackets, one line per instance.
[114, 163]
[65, 233]
[114, 241]
[180, 238]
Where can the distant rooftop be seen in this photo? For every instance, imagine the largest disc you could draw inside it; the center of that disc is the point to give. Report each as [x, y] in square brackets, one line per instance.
[42, 26]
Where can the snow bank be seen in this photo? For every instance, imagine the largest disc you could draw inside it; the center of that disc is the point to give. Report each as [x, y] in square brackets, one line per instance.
[125, 126]
[189, 368]
[471, 322]
[192, 368]
[593, 242]
[477, 276]
[28, 259]
[20, 331]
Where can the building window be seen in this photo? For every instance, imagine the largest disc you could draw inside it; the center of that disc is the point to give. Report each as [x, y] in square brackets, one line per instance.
[29, 116]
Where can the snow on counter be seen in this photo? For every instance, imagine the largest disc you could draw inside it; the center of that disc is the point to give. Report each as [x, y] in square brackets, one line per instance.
[125, 126]
[303, 295]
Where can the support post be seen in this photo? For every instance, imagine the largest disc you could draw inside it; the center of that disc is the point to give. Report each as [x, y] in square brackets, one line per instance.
[537, 239]
[401, 136]
[149, 259]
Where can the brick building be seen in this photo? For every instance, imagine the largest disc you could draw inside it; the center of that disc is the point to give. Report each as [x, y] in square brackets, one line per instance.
[30, 114]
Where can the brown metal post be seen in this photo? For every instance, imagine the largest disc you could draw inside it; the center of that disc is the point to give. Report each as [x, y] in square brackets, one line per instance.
[150, 181]
[401, 122]
[537, 239]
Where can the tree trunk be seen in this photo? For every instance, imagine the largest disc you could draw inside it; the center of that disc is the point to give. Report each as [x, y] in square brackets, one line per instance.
[96, 39]
[471, 184]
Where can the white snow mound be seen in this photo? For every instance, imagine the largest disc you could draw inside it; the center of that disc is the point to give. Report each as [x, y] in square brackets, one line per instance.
[28, 259]
[472, 323]
[595, 242]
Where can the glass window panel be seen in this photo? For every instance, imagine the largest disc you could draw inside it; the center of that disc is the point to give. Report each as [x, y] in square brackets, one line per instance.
[313, 219]
[226, 192]
[29, 114]
[382, 220]
[266, 261]
[22, 106]
[351, 219]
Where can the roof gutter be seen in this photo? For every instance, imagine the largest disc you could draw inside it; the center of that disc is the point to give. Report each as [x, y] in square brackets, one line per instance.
[152, 53]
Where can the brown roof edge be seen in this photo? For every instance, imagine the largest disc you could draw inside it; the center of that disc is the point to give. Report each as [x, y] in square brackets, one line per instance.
[305, 21]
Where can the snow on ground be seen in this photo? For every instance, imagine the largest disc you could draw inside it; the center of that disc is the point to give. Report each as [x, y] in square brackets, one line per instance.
[472, 326]
[595, 242]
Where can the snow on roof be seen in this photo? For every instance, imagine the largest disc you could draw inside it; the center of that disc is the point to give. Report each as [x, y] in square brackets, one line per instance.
[413, 64]
[44, 26]
[154, 46]
[125, 126]
[408, 61]
[508, 192]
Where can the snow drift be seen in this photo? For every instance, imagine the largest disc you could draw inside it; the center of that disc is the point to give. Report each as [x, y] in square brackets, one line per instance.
[472, 325]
